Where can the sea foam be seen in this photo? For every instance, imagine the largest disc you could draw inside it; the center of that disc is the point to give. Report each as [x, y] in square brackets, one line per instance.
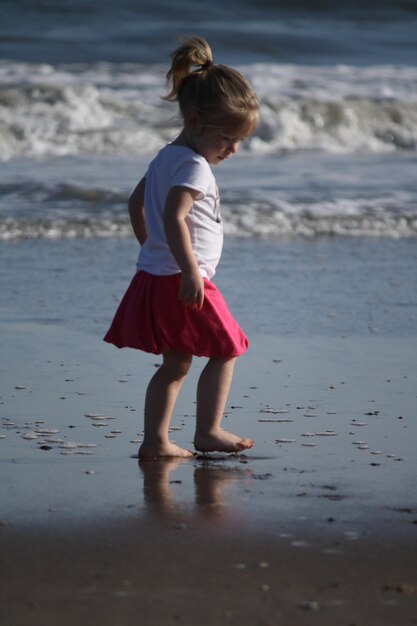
[116, 109]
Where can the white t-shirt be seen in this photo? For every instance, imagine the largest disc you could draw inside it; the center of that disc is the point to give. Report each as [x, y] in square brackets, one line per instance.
[180, 166]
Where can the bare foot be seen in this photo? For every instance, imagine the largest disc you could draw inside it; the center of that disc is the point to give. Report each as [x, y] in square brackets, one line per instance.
[221, 441]
[162, 451]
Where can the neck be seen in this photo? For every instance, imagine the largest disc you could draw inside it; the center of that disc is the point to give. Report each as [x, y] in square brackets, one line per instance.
[184, 139]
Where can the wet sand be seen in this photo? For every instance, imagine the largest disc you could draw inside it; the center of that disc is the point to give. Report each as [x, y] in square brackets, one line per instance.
[316, 525]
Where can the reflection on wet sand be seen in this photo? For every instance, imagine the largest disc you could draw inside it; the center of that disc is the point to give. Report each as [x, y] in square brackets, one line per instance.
[211, 484]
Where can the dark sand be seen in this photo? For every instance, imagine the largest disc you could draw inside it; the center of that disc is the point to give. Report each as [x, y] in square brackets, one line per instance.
[164, 573]
[288, 534]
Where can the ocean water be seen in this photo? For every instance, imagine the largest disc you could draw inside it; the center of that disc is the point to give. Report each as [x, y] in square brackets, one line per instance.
[81, 114]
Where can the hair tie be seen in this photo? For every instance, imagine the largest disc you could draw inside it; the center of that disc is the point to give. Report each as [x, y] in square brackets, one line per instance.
[205, 65]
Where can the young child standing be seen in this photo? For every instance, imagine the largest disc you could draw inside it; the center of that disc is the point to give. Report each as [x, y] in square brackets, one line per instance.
[171, 307]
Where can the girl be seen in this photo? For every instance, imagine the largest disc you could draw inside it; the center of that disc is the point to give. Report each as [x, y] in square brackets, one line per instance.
[171, 307]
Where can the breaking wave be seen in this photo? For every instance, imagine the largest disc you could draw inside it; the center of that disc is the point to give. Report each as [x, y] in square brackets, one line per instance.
[116, 109]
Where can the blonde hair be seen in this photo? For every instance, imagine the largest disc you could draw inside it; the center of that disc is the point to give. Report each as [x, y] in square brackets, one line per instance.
[219, 95]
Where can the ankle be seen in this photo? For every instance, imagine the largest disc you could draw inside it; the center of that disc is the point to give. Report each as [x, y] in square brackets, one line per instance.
[210, 431]
[155, 439]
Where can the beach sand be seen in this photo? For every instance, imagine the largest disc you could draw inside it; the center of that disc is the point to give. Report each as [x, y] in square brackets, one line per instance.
[316, 524]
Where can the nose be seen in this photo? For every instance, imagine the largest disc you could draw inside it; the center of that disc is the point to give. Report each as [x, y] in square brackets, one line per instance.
[233, 147]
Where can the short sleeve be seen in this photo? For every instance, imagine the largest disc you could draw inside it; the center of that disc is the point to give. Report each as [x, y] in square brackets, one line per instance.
[192, 172]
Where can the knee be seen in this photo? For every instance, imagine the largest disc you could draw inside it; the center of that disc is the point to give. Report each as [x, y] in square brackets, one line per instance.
[184, 365]
[178, 365]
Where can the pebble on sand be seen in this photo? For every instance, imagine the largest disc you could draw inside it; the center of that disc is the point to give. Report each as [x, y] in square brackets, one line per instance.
[310, 605]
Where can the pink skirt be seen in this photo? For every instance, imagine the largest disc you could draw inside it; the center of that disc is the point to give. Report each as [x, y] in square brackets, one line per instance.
[151, 318]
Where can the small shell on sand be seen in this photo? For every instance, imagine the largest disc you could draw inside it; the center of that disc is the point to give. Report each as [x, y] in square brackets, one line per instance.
[327, 433]
[355, 423]
[99, 424]
[308, 434]
[363, 447]
[115, 432]
[310, 414]
[2, 436]
[47, 431]
[376, 452]
[74, 444]
[110, 436]
[309, 445]
[83, 452]
[284, 440]
[19, 387]
[30, 435]
[136, 441]
[282, 420]
[359, 443]
[99, 416]
[391, 456]
[274, 411]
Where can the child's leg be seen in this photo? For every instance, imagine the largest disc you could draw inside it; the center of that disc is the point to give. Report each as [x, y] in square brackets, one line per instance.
[212, 391]
[160, 399]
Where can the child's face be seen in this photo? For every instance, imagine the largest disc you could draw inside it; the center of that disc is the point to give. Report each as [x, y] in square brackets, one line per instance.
[216, 145]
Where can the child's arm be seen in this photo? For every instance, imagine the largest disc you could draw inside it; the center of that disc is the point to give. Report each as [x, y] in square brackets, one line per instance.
[178, 204]
[136, 206]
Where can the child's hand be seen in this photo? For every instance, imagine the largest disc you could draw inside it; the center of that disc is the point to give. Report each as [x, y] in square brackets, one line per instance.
[191, 289]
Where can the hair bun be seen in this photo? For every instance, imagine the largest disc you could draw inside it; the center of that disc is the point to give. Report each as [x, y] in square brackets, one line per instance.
[205, 65]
